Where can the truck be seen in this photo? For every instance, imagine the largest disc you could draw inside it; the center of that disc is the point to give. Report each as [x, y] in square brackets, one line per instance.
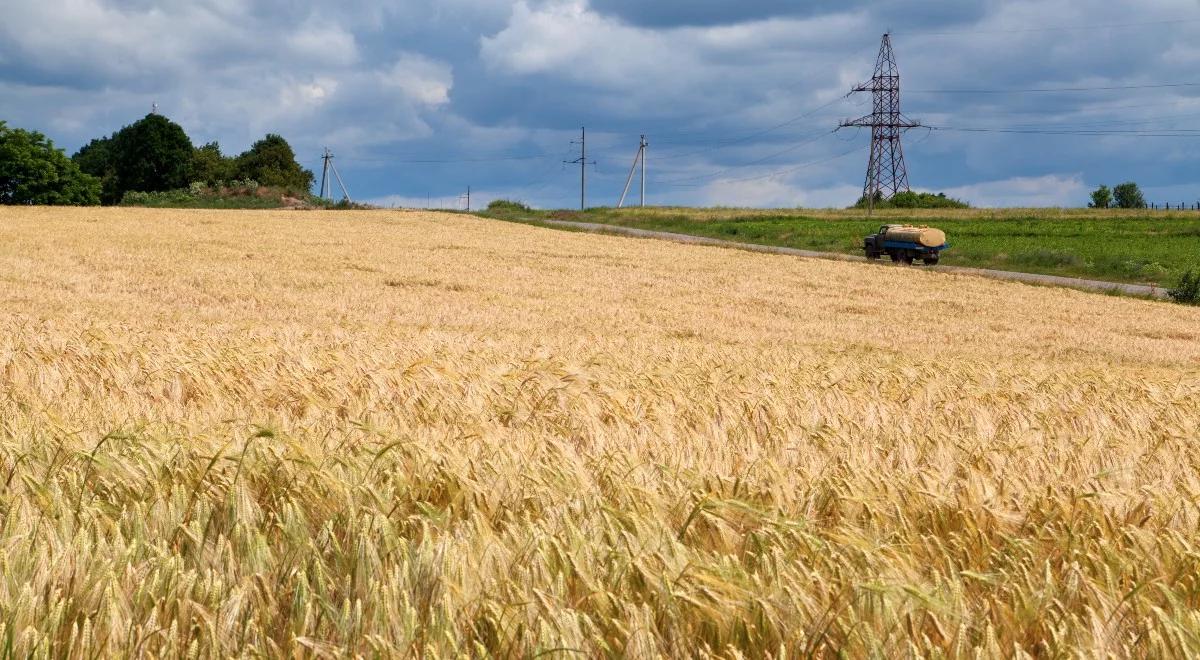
[906, 243]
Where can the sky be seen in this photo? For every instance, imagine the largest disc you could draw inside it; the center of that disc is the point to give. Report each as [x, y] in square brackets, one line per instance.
[419, 99]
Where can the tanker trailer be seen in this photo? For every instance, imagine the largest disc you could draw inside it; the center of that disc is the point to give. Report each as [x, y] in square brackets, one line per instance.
[906, 243]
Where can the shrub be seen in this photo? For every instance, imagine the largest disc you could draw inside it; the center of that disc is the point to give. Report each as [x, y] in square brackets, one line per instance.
[1146, 270]
[164, 198]
[248, 184]
[1187, 292]
[914, 200]
[502, 205]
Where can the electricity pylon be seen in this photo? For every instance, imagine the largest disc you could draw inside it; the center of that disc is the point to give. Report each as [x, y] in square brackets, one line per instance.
[886, 174]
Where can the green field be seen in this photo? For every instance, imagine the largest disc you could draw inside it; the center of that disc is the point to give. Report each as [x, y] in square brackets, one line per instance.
[1145, 247]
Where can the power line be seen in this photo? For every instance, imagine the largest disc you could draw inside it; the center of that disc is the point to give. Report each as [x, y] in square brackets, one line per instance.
[429, 161]
[1058, 28]
[1181, 132]
[751, 136]
[758, 161]
[776, 173]
[1052, 90]
[1108, 122]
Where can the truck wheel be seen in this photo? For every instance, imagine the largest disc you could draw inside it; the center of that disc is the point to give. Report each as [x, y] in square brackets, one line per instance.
[895, 257]
[931, 261]
[908, 259]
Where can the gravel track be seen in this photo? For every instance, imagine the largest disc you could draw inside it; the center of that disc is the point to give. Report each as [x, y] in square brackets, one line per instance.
[1031, 278]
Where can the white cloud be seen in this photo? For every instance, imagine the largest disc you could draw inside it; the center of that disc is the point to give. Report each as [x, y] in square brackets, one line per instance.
[420, 79]
[567, 39]
[225, 70]
[322, 43]
[93, 37]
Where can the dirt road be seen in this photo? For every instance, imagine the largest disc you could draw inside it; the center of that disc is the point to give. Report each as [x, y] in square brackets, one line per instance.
[1032, 278]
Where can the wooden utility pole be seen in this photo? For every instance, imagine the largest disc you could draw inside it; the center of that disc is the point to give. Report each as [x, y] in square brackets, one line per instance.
[583, 163]
[639, 159]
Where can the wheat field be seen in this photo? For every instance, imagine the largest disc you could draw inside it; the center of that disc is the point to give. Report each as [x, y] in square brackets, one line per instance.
[396, 434]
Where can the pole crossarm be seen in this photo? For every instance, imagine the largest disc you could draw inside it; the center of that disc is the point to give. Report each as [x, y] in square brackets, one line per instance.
[870, 121]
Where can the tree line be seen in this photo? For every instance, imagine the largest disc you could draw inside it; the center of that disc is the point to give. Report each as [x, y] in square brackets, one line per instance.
[152, 154]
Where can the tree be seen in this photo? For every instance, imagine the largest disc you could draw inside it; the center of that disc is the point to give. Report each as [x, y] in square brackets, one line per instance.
[150, 155]
[271, 162]
[209, 166]
[1129, 196]
[1101, 198]
[95, 158]
[33, 171]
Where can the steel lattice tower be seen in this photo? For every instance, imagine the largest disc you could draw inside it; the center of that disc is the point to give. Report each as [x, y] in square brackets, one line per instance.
[886, 174]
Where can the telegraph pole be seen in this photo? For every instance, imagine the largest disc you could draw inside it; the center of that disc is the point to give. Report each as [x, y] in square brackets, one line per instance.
[324, 171]
[643, 158]
[639, 159]
[583, 168]
[468, 199]
[583, 163]
[326, 184]
[886, 174]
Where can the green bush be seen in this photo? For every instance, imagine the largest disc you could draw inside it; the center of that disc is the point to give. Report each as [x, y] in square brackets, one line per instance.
[1146, 270]
[502, 205]
[914, 200]
[1187, 292]
[244, 194]
[165, 198]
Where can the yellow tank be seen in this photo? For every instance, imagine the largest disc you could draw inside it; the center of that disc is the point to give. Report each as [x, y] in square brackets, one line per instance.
[926, 236]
